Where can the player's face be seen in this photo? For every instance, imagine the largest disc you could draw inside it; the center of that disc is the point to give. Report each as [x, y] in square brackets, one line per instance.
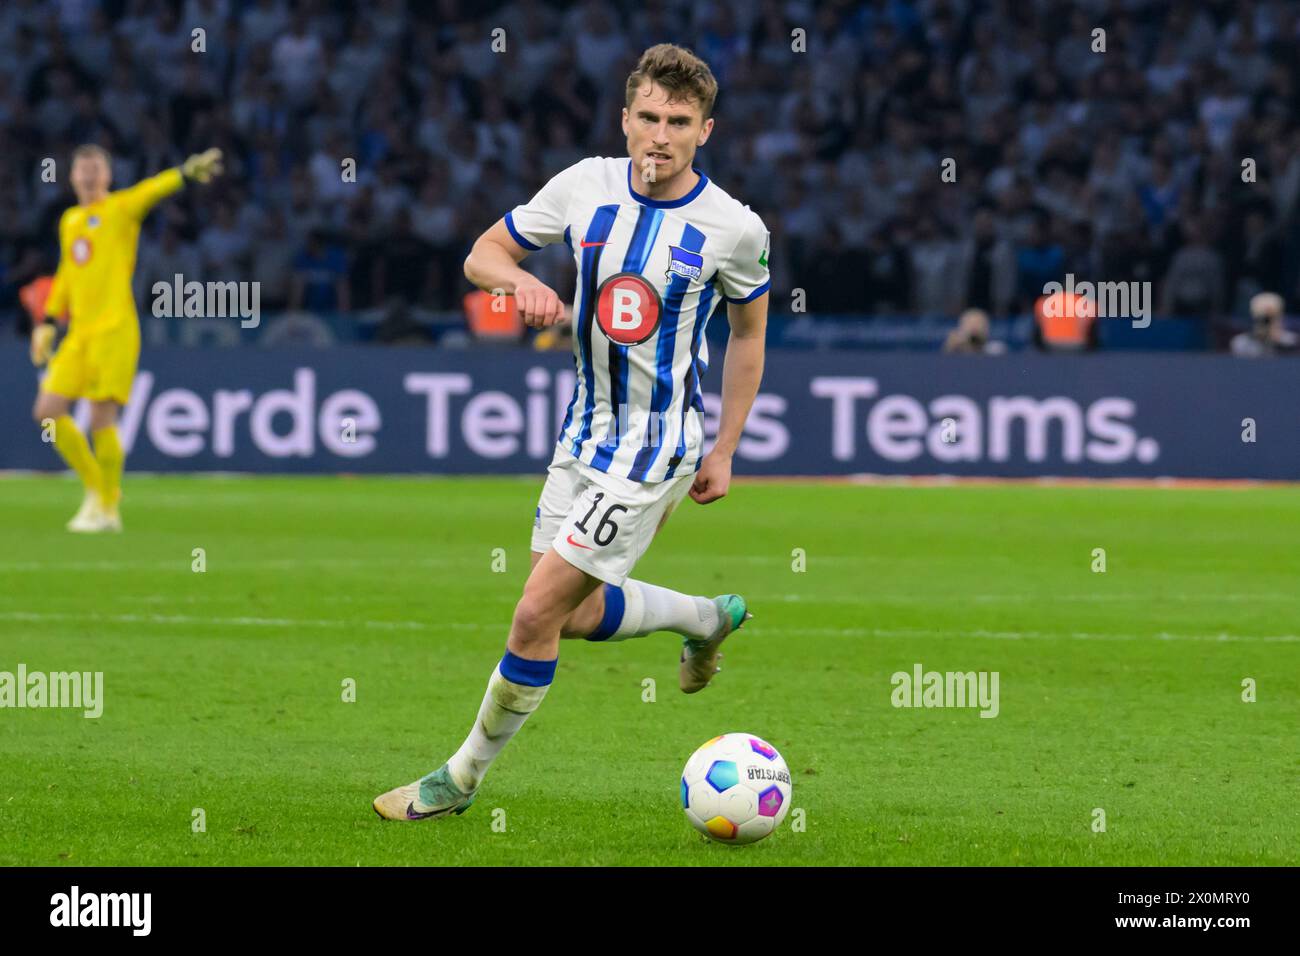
[662, 136]
[90, 177]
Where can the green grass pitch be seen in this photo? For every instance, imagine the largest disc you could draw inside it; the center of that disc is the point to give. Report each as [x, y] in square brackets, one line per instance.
[1119, 690]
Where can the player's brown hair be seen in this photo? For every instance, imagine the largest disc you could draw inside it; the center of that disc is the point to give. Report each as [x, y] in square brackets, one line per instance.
[682, 74]
[93, 149]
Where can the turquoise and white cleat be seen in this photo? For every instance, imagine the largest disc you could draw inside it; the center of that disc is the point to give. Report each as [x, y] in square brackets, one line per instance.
[700, 658]
[429, 798]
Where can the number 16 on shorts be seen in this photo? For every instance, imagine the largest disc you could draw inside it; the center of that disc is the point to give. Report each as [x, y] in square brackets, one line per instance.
[599, 536]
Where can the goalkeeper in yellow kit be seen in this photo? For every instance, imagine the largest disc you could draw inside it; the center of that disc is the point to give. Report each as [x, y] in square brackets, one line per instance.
[97, 358]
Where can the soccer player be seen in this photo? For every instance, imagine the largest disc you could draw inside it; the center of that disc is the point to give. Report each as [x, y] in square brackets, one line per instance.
[97, 358]
[658, 246]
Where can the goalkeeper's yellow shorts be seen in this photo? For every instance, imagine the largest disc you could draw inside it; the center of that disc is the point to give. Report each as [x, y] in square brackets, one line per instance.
[99, 365]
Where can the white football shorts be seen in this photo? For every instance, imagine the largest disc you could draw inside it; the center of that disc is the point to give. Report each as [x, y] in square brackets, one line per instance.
[601, 523]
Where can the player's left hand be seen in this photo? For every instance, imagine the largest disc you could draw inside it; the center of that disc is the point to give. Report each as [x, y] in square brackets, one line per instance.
[202, 167]
[713, 479]
[42, 343]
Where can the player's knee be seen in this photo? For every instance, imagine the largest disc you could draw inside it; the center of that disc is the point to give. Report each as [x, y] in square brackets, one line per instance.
[45, 409]
[533, 619]
[102, 415]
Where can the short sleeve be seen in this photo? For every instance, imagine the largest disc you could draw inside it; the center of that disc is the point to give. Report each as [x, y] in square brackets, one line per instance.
[744, 276]
[541, 221]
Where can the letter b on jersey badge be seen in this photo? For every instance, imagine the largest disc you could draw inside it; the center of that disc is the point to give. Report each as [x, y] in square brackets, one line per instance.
[628, 308]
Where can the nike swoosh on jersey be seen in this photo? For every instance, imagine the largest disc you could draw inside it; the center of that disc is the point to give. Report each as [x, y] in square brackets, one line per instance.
[590, 245]
[578, 544]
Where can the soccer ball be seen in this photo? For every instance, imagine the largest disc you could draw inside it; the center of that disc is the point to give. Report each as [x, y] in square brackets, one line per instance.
[736, 789]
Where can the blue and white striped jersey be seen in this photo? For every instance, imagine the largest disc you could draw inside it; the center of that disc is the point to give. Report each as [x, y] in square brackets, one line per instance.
[650, 273]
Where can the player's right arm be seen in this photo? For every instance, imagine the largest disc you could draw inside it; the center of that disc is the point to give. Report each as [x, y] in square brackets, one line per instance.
[56, 304]
[493, 263]
[493, 266]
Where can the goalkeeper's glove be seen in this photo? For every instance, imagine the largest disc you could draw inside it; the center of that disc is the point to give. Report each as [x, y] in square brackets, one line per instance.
[43, 342]
[202, 167]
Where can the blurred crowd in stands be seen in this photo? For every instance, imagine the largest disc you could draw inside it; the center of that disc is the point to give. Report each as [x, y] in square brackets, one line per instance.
[1118, 140]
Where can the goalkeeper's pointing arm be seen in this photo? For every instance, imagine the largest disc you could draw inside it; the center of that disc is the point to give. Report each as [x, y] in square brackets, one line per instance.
[143, 196]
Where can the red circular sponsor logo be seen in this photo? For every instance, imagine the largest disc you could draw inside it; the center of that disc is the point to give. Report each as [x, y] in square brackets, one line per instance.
[628, 308]
[81, 250]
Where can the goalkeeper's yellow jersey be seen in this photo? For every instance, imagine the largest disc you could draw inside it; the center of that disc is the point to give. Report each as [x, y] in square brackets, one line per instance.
[97, 246]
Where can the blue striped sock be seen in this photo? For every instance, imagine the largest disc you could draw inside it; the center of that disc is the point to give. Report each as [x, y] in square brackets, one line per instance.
[615, 605]
[514, 691]
[520, 670]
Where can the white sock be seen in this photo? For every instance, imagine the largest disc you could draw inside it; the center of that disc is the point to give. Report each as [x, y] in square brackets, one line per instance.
[506, 705]
[647, 608]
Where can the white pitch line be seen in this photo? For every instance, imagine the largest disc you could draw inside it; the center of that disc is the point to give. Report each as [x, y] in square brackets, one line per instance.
[39, 617]
[1037, 635]
[290, 564]
[1009, 598]
[1146, 596]
[183, 563]
[209, 599]
[271, 622]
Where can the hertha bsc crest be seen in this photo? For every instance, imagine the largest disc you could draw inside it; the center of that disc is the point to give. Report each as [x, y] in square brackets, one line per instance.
[689, 265]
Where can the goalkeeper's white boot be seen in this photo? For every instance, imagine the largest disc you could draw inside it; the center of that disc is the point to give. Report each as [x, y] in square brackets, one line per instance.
[429, 798]
[112, 519]
[90, 517]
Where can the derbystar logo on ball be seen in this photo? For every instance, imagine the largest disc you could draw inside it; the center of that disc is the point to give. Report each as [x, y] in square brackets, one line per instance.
[736, 789]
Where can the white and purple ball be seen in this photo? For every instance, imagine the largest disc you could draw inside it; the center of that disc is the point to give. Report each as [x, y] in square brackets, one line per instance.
[736, 789]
